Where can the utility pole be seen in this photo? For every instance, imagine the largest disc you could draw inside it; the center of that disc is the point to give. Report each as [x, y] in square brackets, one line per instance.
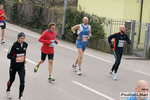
[64, 18]
[140, 24]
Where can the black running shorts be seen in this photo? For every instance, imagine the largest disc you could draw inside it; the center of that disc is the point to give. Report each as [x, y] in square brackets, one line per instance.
[50, 56]
[4, 26]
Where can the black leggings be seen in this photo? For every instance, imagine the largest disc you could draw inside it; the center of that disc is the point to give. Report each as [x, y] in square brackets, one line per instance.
[118, 56]
[21, 73]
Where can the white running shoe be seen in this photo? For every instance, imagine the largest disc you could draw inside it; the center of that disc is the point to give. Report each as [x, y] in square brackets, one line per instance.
[111, 73]
[74, 67]
[8, 94]
[2, 41]
[21, 98]
[115, 76]
[79, 72]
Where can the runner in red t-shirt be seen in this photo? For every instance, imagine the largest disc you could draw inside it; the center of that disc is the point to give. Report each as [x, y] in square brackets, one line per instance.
[2, 22]
[48, 40]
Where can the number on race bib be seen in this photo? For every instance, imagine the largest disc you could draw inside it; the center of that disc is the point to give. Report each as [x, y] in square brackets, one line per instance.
[84, 38]
[121, 43]
[20, 56]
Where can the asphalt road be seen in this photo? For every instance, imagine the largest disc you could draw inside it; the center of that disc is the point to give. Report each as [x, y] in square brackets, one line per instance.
[93, 84]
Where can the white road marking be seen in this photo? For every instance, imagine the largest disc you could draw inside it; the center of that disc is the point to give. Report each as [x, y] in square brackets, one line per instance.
[31, 62]
[26, 59]
[6, 50]
[25, 33]
[92, 90]
[86, 54]
[66, 47]
[98, 58]
[142, 72]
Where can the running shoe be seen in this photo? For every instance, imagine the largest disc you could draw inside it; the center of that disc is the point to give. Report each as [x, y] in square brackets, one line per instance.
[8, 94]
[51, 78]
[35, 69]
[79, 72]
[115, 76]
[2, 41]
[111, 73]
[74, 67]
[21, 98]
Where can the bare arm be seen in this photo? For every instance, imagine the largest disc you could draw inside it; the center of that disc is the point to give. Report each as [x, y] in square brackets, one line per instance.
[90, 33]
[74, 28]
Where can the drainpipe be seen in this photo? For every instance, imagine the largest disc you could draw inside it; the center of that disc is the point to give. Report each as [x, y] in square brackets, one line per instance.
[140, 23]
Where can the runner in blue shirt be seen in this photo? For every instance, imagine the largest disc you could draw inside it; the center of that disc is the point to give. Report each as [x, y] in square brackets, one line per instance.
[83, 35]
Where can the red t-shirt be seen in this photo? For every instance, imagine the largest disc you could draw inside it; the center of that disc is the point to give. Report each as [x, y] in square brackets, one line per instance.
[48, 40]
[2, 17]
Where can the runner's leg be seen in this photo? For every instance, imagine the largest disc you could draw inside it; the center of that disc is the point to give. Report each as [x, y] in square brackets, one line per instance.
[3, 33]
[40, 62]
[12, 73]
[43, 57]
[115, 64]
[50, 67]
[76, 62]
[119, 55]
[21, 74]
[80, 56]
[50, 61]
[3, 29]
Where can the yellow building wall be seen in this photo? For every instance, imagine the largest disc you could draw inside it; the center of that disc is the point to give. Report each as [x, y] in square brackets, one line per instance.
[103, 8]
[117, 9]
[132, 9]
[146, 11]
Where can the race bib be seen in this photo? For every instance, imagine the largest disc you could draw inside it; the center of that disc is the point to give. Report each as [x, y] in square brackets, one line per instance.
[20, 56]
[121, 43]
[84, 38]
[52, 43]
[1, 24]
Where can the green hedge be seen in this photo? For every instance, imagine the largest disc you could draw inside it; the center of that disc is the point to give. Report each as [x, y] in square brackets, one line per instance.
[3, 2]
[74, 17]
[14, 17]
[37, 19]
[36, 22]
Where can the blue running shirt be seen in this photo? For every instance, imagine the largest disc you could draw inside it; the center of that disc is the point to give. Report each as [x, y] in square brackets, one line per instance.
[83, 32]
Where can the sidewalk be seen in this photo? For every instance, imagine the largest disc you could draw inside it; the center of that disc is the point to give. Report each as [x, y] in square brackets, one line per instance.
[133, 57]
